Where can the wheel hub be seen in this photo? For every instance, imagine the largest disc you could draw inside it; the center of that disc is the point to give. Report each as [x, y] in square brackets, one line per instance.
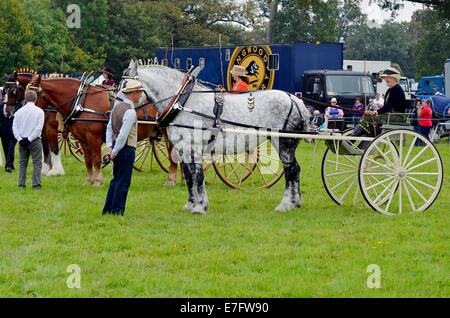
[402, 174]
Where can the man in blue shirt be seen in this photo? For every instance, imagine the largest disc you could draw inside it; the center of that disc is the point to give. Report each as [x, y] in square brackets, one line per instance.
[121, 138]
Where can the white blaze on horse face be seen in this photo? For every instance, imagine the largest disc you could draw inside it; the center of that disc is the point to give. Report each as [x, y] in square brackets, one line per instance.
[4, 106]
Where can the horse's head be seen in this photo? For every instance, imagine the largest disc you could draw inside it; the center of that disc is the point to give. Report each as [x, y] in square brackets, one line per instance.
[14, 94]
[35, 84]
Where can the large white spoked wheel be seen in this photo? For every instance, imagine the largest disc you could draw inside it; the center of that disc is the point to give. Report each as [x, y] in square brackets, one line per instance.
[261, 168]
[340, 175]
[395, 176]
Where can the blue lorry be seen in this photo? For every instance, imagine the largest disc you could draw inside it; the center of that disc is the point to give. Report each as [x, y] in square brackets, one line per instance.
[313, 70]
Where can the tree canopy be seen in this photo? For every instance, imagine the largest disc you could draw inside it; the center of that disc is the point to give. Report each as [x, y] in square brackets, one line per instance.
[35, 33]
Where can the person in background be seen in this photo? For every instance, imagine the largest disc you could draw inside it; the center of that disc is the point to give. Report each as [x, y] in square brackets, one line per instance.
[332, 111]
[425, 118]
[393, 109]
[415, 120]
[107, 75]
[371, 106]
[240, 79]
[378, 101]
[7, 137]
[121, 138]
[358, 111]
[27, 128]
[317, 120]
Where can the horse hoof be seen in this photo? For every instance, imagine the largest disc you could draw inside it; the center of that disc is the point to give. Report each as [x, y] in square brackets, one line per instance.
[188, 206]
[284, 208]
[52, 173]
[170, 183]
[198, 209]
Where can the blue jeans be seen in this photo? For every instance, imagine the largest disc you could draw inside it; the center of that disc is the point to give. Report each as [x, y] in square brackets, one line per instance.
[425, 131]
[356, 120]
[418, 141]
[118, 188]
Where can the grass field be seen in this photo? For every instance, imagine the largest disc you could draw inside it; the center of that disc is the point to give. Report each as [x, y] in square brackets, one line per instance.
[242, 248]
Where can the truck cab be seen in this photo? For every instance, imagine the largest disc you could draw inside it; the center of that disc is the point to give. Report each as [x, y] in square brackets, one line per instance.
[322, 85]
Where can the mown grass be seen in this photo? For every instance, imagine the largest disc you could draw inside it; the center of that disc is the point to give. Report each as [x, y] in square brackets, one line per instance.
[242, 248]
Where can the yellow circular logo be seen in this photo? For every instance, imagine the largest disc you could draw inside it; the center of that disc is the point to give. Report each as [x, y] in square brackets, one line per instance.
[254, 59]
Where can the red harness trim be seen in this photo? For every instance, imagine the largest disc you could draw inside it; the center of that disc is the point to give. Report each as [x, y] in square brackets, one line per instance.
[174, 99]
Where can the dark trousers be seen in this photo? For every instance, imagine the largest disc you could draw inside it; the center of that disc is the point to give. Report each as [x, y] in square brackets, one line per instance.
[118, 188]
[425, 131]
[9, 145]
[356, 120]
[35, 150]
[418, 141]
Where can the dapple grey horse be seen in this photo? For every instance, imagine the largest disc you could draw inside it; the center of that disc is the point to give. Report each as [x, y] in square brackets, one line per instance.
[273, 109]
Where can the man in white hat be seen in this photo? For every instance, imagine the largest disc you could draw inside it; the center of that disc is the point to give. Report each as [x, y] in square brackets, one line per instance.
[121, 138]
[395, 102]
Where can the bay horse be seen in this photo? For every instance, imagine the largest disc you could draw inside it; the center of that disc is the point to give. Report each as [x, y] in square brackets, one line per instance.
[89, 126]
[15, 89]
[271, 109]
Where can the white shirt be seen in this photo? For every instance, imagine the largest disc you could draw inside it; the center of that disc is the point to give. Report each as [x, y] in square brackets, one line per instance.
[378, 101]
[28, 122]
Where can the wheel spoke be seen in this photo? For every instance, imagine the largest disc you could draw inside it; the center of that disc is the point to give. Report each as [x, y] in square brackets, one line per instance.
[382, 192]
[411, 147]
[378, 173]
[421, 164]
[391, 196]
[340, 173]
[421, 182]
[379, 164]
[380, 182]
[423, 173]
[343, 181]
[348, 189]
[351, 160]
[384, 156]
[415, 190]
[409, 196]
[340, 164]
[417, 156]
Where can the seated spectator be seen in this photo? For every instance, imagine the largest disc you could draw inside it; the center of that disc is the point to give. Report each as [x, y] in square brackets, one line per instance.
[317, 120]
[378, 101]
[107, 75]
[332, 112]
[371, 106]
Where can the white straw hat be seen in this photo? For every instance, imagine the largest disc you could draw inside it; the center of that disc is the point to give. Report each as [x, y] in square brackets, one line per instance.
[391, 72]
[238, 70]
[133, 86]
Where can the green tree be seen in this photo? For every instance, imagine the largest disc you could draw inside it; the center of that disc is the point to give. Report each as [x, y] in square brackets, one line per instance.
[390, 42]
[55, 50]
[16, 49]
[433, 43]
[309, 24]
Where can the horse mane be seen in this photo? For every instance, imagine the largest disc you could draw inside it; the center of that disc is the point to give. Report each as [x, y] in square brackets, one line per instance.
[25, 71]
[56, 76]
